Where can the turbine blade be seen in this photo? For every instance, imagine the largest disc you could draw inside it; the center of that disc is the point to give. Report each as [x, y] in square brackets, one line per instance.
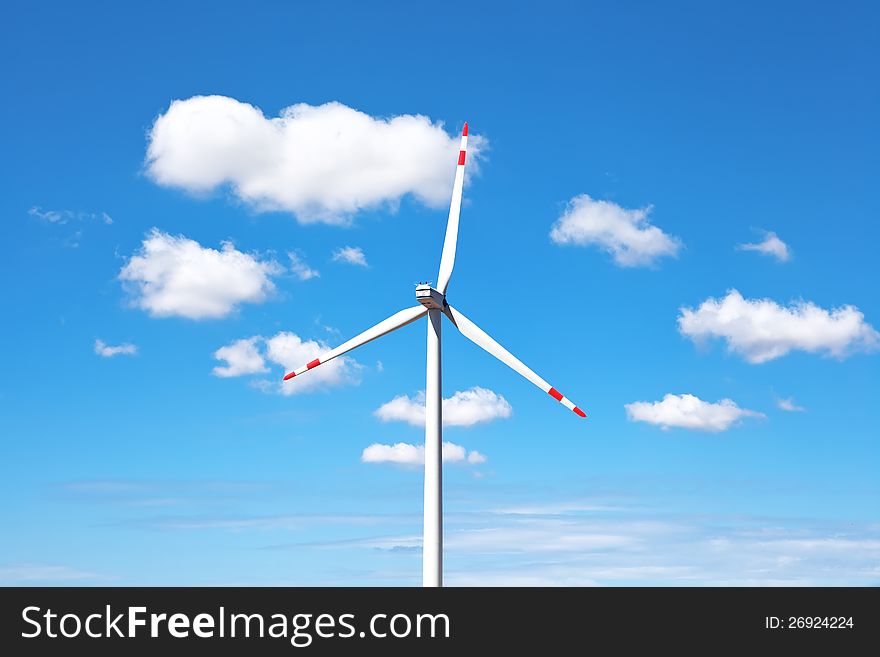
[396, 321]
[447, 259]
[479, 337]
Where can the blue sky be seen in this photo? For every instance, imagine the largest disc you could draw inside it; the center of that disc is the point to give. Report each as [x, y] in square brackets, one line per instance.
[652, 142]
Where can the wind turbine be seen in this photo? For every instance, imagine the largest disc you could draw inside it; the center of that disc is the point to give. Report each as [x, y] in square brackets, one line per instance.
[432, 302]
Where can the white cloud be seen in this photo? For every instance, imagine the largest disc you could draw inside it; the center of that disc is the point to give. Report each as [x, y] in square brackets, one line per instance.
[625, 548]
[322, 163]
[761, 330]
[465, 408]
[469, 407]
[252, 355]
[173, 275]
[771, 245]
[689, 412]
[536, 537]
[353, 255]
[399, 453]
[242, 357]
[302, 271]
[789, 405]
[476, 458]
[556, 508]
[291, 351]
[108, 351]
[51, 216]
[642, 538]
[63, 216]
[412, 455]
[626, 234]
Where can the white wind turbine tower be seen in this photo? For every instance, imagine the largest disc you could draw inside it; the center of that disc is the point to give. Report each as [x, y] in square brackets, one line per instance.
[432, 302]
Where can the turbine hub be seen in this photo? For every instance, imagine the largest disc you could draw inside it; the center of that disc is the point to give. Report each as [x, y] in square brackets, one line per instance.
[429, 297]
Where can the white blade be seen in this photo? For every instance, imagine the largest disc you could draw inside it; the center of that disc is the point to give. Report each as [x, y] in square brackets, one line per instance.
[482, 339]
[393, 323]
[447, 259]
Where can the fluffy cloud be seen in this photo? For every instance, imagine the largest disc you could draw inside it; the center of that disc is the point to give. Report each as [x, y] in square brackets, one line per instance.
[771, 245]
[242, 357]
[412, 455]
[300, 269]
[353, 255]
[465, 408]
[173, 275]
[789, 405]
[626, 234]
[323, 163]
[250, 356]
[689, 412]
[291, 351]
[476, 458]
[761, 330]
[108, 351]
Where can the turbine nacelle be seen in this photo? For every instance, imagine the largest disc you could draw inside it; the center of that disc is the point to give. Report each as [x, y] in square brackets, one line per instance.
[430, 298]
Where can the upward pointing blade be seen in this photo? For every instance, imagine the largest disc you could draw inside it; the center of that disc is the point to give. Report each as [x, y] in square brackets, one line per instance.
[447, 259]
[396, 321]
[476, 335]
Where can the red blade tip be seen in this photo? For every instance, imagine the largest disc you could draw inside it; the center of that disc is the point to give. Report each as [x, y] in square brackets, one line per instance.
[464, 130]
[289, 375]
[579, 412]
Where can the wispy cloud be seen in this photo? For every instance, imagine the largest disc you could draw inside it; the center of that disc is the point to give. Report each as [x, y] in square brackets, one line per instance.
[64, 216]
[637, 546]
[761, 329]
[787, 404]
[689, 412]
[627, 235]
[36, 573]
[300, 269]
[353, 255]
[75, 218]
[291, 522]
[499, 537]
[771, 245]
[556, 508]
[108, 351]
[147, 494]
